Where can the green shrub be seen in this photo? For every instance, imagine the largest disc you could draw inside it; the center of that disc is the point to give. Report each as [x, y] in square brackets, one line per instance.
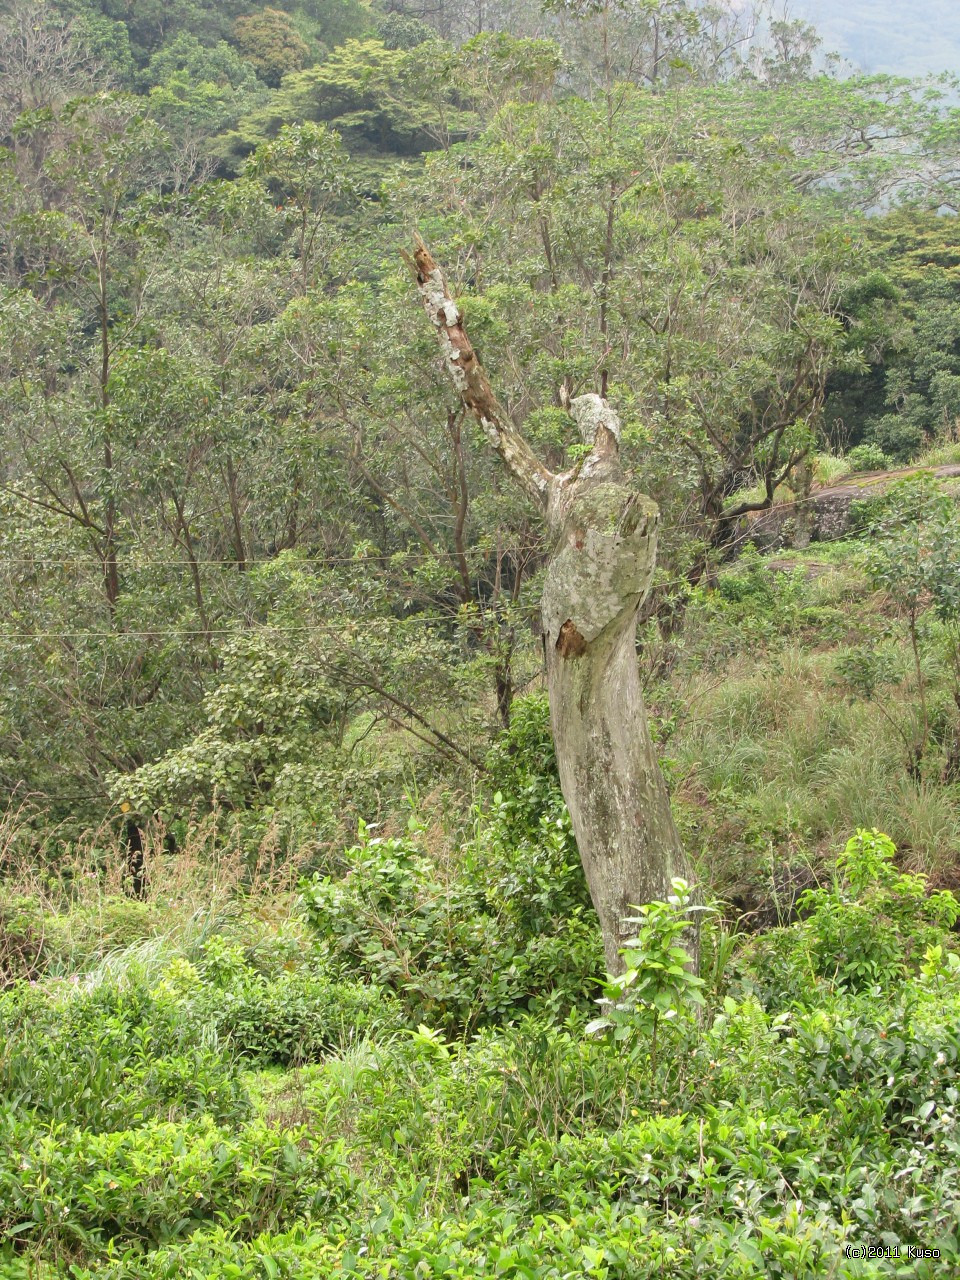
[524, 854]
[870, 927]
[752, 605]
[751, 581]
[448, 949]
[874, 921]
[155, 1183]
[110, 924]
[23, 944]
[657, 983]
[418, 1107]
[869, 457]
[35, 940]
[110, 1059]
[294, 1017]
[14, 1267]
[813, 1104]
[301, 1252]
[508, 928]
[608, 1241]
[898, 435]
[896, 1061]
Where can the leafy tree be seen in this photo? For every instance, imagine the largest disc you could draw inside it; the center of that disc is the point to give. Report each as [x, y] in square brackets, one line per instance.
[403, 31]
[632, 257]
[44, 61]
[148, 24]
[192, 110]
[361, 89]
[903, 315]
[269, 709]
[271, 44]
[913, 554]
[334, 22]
[195, 91]
[197, 377]
[854, 142]
[922, 382]
[186, 56]
[306, 170]
[88, 248]
[875, 324]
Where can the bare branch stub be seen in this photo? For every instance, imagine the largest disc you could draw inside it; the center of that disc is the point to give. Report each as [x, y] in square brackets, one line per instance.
[470, 380]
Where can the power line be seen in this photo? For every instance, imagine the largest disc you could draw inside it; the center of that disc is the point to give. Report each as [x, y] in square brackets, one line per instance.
[68, 562]
[157, 633]
[78, 560]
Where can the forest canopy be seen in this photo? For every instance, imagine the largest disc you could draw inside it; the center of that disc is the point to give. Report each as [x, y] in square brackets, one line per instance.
[223, 428]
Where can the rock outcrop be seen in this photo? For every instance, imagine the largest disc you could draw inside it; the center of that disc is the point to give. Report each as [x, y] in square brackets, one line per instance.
[830, 508]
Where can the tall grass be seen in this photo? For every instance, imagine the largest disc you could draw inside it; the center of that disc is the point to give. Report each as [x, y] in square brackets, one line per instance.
[784, 762]
[70, 899]
[944, 454]
[827, 469]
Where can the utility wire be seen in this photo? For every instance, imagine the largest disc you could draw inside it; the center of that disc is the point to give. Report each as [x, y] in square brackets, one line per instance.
[157, 633]
[76, 561]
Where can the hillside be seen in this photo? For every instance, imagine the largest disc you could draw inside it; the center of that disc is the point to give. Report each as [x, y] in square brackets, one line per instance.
[878, 35]
[240, 1089]
[479, 647]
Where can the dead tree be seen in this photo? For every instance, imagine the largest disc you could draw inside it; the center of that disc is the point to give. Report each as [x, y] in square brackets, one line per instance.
[604, 540]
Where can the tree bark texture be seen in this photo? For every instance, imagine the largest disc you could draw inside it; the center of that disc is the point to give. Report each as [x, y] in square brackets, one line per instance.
[604, 544]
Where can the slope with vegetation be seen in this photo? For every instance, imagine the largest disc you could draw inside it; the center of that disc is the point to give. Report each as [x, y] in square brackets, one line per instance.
[300, 970]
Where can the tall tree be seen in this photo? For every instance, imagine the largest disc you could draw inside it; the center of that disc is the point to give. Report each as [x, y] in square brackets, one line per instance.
[42, 62]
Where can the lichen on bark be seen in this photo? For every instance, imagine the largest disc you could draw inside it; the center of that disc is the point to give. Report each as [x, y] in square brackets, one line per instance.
[591, 413]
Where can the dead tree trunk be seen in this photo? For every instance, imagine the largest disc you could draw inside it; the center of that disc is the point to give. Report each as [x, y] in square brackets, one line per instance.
[604, 538]
[135, 866]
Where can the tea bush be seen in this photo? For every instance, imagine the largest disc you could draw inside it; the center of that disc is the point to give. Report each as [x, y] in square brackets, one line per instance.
[34, 940]
[444, 947]
[108, 1058]
[798, 1100]
[146, 1186]
[869, 457]
[294, 1016]
[22, 942]
[872, 925]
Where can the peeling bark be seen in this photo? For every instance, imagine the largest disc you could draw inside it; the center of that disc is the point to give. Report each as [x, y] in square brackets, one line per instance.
[604, 537]
[598, 577]
[468, 377]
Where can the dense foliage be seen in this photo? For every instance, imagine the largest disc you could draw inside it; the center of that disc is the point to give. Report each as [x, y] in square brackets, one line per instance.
[804, 1104]
[299, 975]
[244, 531]
[411, 1064]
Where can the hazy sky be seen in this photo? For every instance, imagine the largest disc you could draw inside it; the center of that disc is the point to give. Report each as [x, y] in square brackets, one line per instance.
[896, 36]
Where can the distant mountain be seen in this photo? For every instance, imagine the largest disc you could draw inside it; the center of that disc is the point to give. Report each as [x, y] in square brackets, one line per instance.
[888, 35]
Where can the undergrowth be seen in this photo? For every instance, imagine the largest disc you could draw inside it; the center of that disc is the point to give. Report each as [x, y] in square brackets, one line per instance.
[401, 1058]
[798, 1100]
